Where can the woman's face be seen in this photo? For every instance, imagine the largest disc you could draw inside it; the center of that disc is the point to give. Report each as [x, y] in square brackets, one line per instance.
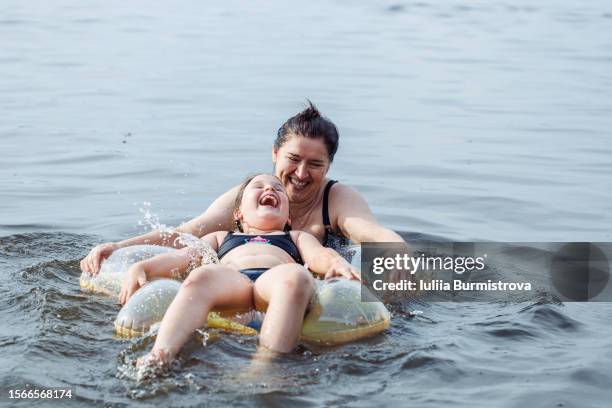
[301, 164]
[265, 204]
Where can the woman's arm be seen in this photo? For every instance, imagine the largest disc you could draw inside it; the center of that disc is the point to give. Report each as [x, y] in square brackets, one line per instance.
[355, 219]
[169, 265]
[217, 217]
[321, 260]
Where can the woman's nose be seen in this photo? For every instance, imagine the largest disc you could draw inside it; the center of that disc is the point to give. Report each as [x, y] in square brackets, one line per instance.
[300, 170]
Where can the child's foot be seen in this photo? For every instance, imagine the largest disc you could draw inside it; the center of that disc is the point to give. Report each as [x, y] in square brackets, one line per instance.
[261, 366]
[154, 364]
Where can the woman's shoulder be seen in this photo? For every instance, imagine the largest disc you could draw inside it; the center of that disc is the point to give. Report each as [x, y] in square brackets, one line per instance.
[341, 194]
[346, 206]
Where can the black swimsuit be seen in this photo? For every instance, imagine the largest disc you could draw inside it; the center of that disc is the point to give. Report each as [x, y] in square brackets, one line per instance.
[332, 239]
[282, 241]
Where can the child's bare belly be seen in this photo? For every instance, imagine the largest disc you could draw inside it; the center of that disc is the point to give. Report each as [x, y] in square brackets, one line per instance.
[256, 256]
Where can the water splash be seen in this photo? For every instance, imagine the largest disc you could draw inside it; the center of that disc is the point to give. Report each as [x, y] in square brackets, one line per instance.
[205, 336]
[200, 252]
[151, 221]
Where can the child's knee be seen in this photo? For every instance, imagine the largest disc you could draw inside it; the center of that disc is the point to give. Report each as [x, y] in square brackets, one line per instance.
[297, 281]
[201, 275]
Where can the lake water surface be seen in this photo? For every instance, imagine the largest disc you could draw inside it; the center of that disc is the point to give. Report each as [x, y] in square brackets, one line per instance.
[459, 120]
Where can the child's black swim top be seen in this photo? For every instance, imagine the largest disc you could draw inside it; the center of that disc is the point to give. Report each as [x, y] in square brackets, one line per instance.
[283, 241]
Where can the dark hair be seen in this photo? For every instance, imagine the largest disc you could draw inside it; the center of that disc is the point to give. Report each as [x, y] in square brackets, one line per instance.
[243, 186]
[311, 124]
[240, 194]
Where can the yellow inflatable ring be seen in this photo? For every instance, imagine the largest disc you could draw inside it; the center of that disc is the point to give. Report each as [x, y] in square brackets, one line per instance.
[336, 314]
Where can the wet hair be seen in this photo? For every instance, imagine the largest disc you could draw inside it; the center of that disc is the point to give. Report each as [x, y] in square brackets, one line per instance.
[311, 124]
[240, 194]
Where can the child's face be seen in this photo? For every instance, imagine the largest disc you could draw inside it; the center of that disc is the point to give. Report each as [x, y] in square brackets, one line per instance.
[265, 204]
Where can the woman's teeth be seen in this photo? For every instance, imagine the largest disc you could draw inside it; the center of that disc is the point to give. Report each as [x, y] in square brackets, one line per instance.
[298, 184]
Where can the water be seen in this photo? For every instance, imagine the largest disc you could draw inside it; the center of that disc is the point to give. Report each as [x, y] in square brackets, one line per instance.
[479, 120]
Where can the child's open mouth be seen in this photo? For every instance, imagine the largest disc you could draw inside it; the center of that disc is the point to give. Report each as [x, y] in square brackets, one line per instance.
[269, 200]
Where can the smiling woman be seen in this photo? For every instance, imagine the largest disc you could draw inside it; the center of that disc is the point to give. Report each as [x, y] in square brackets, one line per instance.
[302, 153]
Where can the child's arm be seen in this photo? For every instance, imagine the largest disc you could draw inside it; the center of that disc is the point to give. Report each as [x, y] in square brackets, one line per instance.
[321, 260]
[170, 265]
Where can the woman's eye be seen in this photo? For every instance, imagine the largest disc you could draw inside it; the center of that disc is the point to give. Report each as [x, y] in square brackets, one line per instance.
[293, 159]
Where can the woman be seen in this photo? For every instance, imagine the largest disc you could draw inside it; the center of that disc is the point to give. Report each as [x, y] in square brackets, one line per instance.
[302, 154]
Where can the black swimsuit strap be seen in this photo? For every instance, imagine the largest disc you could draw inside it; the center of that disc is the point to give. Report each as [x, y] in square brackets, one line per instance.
[326, 222]
[223, 247]
[328, 187]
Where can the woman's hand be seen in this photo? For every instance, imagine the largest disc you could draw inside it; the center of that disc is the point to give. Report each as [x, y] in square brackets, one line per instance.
[134, 280]
[343, 269]
[91, 263]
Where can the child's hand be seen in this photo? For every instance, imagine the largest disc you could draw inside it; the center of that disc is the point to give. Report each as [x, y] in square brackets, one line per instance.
[134, 280]
[343, 269]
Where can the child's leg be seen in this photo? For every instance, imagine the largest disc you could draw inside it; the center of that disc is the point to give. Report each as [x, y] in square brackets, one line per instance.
[207, 287]
[284, 292]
